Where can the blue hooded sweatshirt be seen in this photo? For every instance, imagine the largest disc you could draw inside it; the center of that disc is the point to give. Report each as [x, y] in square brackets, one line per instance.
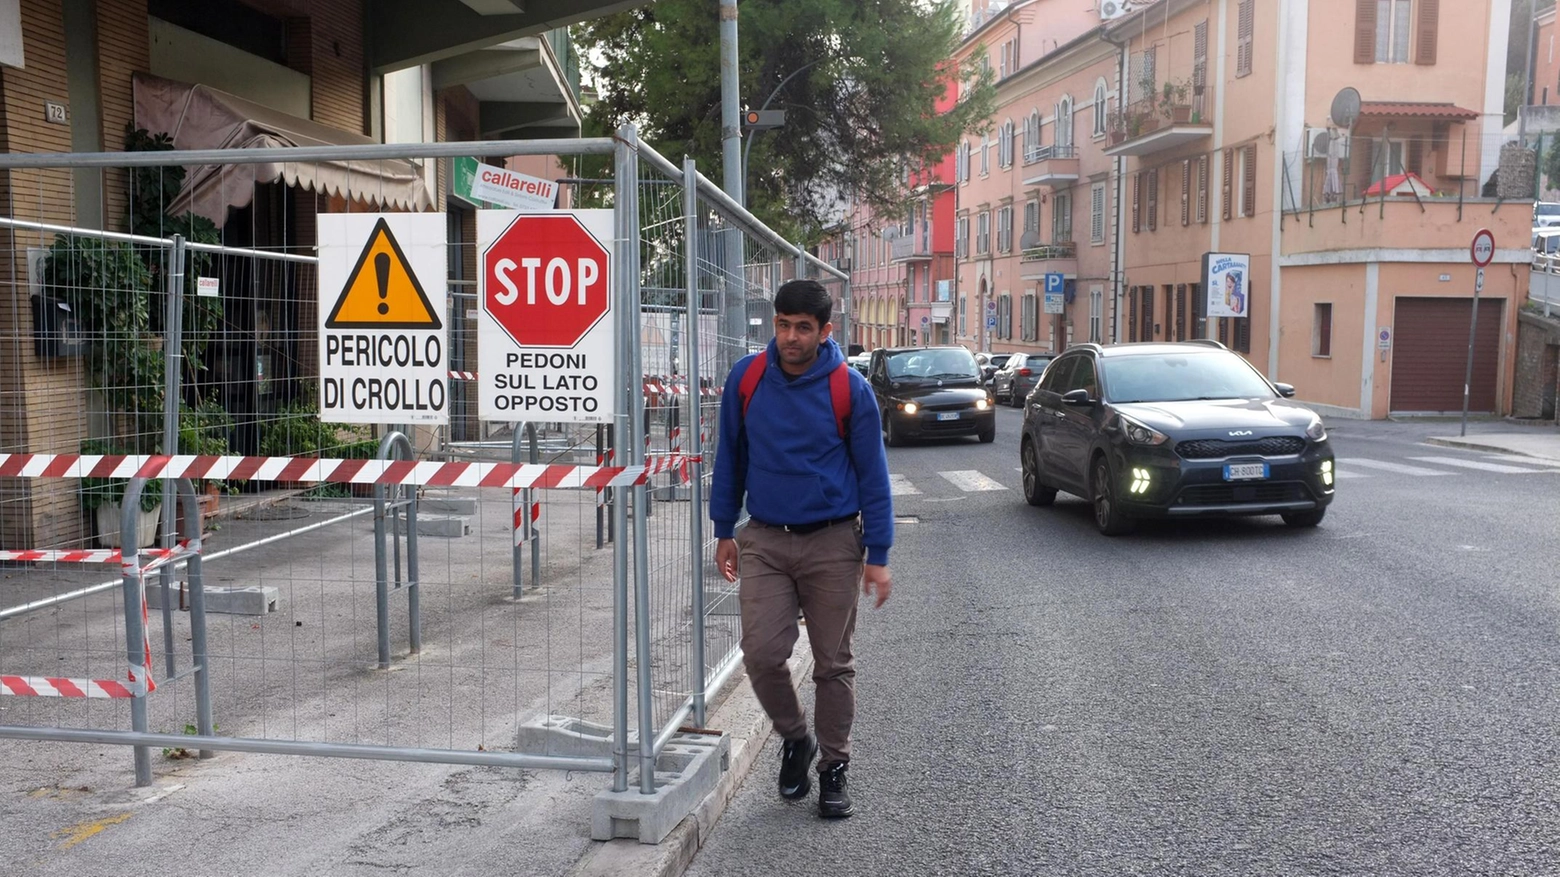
[788, 459]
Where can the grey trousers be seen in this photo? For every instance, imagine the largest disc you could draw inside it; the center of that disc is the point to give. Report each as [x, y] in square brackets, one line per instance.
[820, 572]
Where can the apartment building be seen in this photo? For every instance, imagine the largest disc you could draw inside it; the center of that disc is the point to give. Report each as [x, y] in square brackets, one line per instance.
[1359, 287]
[76, 74]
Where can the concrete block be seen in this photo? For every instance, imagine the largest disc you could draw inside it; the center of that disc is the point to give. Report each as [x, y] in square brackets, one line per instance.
[250, 600]
[440, 505]
[688, 769]
[444, 526]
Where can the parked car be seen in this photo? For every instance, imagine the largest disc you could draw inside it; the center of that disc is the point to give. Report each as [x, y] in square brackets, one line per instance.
[1172, 430]
[1546, 214]
[1546, 241]
[930, 392]
[1012, 382]
[860, 362]
[989, 368]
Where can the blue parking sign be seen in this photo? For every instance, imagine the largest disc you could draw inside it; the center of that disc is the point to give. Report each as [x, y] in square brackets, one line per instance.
[1054, 283]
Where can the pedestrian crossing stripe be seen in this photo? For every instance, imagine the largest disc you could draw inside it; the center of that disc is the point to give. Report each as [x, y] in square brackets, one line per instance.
[970, 480]
[899, 485]
[1478, 464]
[382, 290]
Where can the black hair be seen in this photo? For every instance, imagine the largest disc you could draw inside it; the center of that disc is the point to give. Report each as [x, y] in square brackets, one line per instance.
[804, 297]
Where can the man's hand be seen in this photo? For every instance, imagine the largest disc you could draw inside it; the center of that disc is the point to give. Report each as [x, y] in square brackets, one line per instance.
[876, 581]
[726, 558]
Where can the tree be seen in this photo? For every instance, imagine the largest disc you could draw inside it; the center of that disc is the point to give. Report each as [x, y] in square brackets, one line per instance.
[855, 120]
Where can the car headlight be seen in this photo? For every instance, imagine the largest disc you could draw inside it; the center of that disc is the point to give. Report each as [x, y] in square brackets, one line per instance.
[1317, 431]
[981, 405]
[911, 408]
[1139, 434]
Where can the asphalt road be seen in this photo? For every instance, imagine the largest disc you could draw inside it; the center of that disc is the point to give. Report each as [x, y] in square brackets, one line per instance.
[1376, 696]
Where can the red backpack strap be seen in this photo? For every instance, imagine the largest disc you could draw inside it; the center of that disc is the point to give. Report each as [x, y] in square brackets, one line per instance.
[750, 379]
[839, 396]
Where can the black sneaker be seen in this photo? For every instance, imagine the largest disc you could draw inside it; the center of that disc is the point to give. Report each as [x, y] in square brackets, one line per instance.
[795, 758]
[833, 800]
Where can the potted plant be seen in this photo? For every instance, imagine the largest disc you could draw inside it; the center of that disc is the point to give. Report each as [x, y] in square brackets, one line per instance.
[103, 498]
[1175, 102]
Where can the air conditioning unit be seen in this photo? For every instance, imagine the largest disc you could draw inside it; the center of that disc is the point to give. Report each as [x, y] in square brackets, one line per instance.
[1317, 140]
[1113, 9]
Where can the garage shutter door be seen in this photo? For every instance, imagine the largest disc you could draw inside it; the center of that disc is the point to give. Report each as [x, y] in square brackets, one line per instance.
[1431, 354]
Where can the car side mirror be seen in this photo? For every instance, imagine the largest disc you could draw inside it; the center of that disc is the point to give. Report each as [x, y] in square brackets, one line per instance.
[1285, 390]
[1076, 397]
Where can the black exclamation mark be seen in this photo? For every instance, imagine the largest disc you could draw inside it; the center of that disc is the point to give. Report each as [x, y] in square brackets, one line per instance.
[382, 274]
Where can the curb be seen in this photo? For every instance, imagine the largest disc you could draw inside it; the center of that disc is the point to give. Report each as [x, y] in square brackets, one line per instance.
[740, 716]
[1469, 445]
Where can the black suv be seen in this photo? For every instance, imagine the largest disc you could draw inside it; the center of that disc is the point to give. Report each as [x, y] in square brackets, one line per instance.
[1172, 430]
[930, 392]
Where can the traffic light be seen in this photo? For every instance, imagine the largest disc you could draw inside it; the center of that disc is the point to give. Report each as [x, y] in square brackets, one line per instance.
[759, 120]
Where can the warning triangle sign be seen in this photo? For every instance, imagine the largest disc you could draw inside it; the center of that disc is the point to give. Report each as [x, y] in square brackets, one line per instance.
[382, 291]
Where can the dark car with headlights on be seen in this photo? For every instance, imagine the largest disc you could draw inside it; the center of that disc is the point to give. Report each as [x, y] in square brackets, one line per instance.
[930, 392]
[1172, 430]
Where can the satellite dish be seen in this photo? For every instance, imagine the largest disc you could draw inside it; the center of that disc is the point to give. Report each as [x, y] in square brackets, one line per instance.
[1346, 108]
[1029, 240]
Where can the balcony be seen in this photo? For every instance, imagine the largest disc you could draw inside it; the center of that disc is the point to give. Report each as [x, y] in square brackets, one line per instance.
[909, 248]
[1054, 166]
[1148, 126]
[1054, 258]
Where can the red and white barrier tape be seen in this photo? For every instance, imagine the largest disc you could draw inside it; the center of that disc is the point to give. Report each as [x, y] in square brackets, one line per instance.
[84, 555]
[435, 474]
[49, 686]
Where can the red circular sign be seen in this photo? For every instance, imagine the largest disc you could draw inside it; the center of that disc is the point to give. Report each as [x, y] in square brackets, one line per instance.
[545, 280]
[1483, 249]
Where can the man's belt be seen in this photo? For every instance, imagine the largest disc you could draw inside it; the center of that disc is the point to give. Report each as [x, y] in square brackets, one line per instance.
[802, 529]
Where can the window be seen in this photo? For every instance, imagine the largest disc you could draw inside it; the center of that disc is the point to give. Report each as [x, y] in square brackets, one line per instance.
[1202, 189]
[1248, 187]
[985, 152]
[1180, 312]
[1096, 313]
[1031, 322]
[961, 238]
[1245, 37]
[1227, 192]
[1005, 230]
[1099, 108]
[1137, 202]
[1032, 217]
[1385, 30]
[1147, 80]
[1186, 192]
[1199, 67]
[1097, 213]
[1061, 218]
[1064, 125]
[1007, 56]
[1152, 207]
[961, 316]
[1032, 137]
[1005, 316]
[1005, 145]
[1321, 330]
[983, 234]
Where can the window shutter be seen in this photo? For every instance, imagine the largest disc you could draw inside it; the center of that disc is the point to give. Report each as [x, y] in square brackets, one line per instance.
[1137, 202]
[1243, 333]
[1428, 27]
[1132, 314]
[1224, 331]
[1202, 189]
[1148, 314]
[1180, 312]
[1249, 183]
[1186, 192]
[1229, 183]
[1246, 37]
[1365, 31]
[1153, 199]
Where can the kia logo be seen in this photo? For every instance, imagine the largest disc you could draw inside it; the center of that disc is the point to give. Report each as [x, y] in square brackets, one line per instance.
[1240, 432]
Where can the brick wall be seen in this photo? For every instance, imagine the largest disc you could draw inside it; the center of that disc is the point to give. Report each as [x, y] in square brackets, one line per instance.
[1537, 387]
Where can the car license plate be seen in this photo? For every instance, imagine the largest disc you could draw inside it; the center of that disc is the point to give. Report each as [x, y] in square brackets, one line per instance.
[948, 415]
[1245, 471]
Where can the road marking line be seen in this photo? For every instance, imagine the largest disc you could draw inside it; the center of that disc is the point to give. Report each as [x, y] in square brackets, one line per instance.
[1399, 468]
[1341, 475]
[899, 485]
[1479, 465]
[1525, 460]
[970, 480]
[80, 832]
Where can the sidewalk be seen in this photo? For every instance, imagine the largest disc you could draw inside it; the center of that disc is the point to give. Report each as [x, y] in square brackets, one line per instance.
[1542, 442]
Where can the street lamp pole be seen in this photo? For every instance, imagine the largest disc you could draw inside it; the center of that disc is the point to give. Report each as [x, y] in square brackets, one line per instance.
[748, 147]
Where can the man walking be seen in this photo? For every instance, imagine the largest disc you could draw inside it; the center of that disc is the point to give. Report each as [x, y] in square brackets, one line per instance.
[801, 441]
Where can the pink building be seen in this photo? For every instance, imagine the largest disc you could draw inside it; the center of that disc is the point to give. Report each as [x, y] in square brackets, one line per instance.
[1026, 187]
[1546, 61]
[1359, 284]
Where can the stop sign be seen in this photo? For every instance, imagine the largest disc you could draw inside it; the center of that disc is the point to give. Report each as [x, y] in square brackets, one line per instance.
[545, 280]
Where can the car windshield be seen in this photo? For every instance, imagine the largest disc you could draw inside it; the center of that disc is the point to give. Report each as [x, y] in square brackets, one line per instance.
[1180, 377]
[1546, 209]
[999, 360]
[942, 364]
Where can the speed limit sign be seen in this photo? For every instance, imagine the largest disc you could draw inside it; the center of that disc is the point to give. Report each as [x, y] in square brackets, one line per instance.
[1483, 249]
